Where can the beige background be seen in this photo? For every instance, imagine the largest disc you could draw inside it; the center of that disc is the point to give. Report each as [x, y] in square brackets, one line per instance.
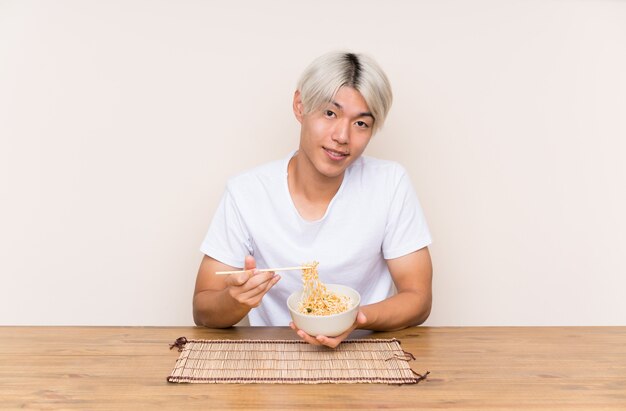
[120, 122]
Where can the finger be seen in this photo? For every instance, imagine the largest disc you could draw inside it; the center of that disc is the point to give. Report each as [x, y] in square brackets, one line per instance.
[260, 281]
[306, 337]
[249, 263]
[272, 282]
[333, 342]
[329, 342]
[259, 289]
[361, 319]
[238, 279]
[252, 297]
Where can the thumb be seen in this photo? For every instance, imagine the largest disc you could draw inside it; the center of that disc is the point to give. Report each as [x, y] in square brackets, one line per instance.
[249, 263]
[361, 318]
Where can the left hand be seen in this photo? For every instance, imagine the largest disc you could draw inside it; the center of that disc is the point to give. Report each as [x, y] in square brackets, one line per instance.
[331, 342]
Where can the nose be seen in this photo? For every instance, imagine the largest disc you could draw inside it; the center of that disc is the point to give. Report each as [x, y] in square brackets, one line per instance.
[341, 133]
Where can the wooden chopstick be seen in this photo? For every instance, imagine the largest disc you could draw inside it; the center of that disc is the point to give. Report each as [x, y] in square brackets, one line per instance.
[262, 270]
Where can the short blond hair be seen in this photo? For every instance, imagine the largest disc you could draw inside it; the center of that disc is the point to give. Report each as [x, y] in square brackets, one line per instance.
[323, 78]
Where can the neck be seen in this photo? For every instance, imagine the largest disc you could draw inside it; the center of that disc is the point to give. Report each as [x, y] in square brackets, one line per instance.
[310, 190]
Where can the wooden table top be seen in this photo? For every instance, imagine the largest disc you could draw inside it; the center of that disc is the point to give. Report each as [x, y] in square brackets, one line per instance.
[471, 368]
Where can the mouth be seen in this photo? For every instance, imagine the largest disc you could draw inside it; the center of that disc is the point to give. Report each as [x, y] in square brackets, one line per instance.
[335, 155]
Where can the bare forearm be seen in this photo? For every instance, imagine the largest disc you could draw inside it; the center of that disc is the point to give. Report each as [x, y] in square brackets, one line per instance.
[405, 309]
[217, 309]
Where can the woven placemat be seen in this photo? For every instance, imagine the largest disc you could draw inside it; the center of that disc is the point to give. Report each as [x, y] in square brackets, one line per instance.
[292, 362]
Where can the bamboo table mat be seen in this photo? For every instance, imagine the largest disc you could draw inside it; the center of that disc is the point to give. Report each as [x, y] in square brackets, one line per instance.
[292, 362]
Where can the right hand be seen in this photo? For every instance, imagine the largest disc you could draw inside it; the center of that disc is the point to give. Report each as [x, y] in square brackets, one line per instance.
[249, 287]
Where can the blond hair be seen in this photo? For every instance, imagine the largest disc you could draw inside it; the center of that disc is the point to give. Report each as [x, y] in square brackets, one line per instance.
[323, 78]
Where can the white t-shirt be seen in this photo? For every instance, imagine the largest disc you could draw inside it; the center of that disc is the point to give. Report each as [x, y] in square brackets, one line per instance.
[374, 216]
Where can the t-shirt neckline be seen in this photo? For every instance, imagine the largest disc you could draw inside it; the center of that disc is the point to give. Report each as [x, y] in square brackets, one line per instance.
[290, 199]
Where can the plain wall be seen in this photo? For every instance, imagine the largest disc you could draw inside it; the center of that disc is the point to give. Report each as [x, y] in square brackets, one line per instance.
[120, 122]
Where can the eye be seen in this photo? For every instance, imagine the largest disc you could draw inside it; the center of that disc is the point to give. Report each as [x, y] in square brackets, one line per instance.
[329, 113]
[361, 124]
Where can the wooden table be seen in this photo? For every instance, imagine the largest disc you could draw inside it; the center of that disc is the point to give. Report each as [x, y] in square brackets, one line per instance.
[526, 368]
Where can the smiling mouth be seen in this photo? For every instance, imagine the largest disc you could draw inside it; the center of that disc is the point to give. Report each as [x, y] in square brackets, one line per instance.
[335, 155]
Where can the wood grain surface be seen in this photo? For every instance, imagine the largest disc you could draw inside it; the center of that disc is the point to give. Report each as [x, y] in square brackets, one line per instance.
[475, 368]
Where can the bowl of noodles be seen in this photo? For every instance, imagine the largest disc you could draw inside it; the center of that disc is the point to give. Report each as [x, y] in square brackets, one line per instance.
[323, 309]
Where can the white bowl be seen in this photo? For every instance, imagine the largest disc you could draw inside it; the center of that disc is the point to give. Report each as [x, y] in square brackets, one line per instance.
[328, 325]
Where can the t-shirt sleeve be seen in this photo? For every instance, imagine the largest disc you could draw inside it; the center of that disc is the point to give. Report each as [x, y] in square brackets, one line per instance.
[227, 240]
[406, 230]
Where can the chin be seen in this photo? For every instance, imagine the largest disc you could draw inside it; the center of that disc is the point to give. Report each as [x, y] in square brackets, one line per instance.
[330, 169]
[333, 173]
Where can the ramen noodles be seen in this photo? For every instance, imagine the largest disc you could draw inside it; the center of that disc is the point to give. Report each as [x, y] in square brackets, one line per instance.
[316, 298]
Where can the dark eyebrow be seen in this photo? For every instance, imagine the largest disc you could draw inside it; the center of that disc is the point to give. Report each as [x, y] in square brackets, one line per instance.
[365, 114]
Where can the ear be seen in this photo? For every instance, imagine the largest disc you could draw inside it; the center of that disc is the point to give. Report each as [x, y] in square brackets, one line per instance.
[298, 108]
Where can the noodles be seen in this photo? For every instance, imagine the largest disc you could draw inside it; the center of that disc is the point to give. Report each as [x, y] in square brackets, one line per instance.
[316, 298]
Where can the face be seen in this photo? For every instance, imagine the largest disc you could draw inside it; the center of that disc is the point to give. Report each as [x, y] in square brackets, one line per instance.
[333, 136]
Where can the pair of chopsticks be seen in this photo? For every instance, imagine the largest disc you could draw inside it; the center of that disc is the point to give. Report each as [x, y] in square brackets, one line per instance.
[264, 270]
